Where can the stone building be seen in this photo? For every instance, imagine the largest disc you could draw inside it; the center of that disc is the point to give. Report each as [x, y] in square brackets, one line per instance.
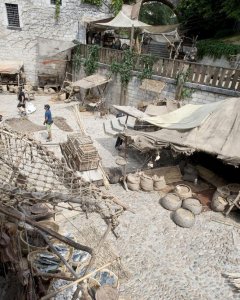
[25, 23]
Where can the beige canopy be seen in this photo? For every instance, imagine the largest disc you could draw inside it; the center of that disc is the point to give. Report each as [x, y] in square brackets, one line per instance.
[218, 134]
[125, 19]
[92, 81]
[10, 66]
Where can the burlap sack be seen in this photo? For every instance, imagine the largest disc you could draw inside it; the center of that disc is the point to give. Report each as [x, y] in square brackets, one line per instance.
[192, 205]
[146, 183]
[158, 182]
[183, 217]
[171, 201]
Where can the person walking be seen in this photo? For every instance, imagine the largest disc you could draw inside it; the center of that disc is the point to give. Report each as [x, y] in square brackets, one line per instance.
[22, 102]
[48, 121]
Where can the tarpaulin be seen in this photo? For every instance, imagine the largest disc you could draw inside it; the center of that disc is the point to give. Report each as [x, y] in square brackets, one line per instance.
[10, 66]
[217, 134]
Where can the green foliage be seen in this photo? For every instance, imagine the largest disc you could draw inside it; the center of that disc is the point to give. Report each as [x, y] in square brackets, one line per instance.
[156, 13]
[125, 67]
[91, 63]
[93, 2]
[117, 6]
[57, 9]
[77, 59]
[186, 93]
[216, 49]
[232, 9]
[206, 17]
[147, 62]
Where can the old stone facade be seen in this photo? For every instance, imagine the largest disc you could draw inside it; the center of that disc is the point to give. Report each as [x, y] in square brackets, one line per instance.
[37, 20]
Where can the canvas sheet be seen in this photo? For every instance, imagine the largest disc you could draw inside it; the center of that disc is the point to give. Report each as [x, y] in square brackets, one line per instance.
[218, 134]
[187, 117]
[10, 66]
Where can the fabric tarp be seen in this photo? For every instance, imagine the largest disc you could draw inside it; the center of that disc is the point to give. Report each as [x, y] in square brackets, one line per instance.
[91, 81]
[10, 66]
[218, 134]
[186, 117]
[48, 48]
[123, 20]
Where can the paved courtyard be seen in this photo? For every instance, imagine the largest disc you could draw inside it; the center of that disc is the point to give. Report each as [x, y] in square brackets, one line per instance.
[164, 261]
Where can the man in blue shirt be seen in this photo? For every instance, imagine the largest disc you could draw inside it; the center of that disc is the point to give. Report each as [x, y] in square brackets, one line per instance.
[48, 121]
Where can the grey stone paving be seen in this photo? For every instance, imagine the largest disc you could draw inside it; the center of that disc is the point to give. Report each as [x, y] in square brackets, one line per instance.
[165, 261]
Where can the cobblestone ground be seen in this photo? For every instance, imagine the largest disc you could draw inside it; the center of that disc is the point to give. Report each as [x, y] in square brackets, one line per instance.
[166, 262]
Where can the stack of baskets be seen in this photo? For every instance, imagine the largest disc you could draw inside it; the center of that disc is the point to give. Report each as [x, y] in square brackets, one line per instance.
[80, 153]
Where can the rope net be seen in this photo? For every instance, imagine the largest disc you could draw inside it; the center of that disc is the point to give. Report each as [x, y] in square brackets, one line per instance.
[30, 172]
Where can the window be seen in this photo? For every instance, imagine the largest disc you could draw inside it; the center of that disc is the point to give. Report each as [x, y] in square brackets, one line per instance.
[12, 15]
[54, 2]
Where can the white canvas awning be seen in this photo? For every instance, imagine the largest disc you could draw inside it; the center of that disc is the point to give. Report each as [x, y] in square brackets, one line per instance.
[91, 81]
[217, 134]
[124, 19]
[10, 66]
[48, 48]
[187, 117]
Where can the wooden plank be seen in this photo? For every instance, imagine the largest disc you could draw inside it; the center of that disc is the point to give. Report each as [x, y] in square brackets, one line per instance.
[171, 174]
[216, 75]
[236, 78]
[175, 68]
[198, 72]
[203, 74]
[169, 69]
[164, 70]
[228, 79]
[191, 73]
[222, 78]
[210, 70]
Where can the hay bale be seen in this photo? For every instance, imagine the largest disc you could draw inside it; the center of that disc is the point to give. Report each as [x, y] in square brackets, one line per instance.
[171, 201]
[183, 217]
[192, 205]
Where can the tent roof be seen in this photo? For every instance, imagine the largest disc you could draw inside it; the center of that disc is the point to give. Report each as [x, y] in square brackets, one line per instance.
[187, 117]
[124, 19]
[168, 29]
[10, 66]
[217, 134]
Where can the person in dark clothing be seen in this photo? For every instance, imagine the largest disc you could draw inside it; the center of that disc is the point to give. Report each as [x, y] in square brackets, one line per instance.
[22, 102]
[119, 141]
[97, 38]
[48, 121]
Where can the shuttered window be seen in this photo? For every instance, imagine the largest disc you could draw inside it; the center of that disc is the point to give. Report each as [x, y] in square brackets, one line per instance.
[12, 15]
[54, 2]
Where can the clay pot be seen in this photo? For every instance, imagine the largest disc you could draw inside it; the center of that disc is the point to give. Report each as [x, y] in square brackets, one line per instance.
[183, 217]
[171, 201]
[183, 191]
[192, 205]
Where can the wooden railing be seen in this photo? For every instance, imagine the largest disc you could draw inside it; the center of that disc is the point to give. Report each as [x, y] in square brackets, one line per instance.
[218, 77]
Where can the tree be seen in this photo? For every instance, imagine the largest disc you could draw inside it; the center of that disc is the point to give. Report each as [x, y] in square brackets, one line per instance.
[208, 18]
[156, 13]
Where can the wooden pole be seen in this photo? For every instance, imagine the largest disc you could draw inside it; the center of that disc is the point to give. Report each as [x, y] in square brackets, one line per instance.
[132, 36]
[17, 215]
[74, 282]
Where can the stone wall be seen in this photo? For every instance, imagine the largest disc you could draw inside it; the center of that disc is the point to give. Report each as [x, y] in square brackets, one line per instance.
[37, 19]
[135, 95]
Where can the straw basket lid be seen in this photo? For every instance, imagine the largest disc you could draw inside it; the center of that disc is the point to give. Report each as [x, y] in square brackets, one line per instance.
[120, 161]
[107, 292]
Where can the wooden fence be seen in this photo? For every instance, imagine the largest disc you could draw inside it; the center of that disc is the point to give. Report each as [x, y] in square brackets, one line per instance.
[218, 77]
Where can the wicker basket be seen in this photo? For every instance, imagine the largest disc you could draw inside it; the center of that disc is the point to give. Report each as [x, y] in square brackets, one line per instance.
[183, 191]
[50, 224]
[25, 246]
[35, 254]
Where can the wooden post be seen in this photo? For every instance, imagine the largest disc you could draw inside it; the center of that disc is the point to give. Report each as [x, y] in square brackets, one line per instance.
[132, 36]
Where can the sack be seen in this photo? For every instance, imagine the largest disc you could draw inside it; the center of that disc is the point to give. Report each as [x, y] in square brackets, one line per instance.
[158, 182]
[146, 183]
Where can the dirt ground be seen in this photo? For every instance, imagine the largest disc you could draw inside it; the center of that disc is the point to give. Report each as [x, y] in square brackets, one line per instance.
[165, 262]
